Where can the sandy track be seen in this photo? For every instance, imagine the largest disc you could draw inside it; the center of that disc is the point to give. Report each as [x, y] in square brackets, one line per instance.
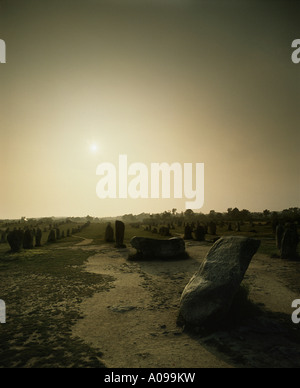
[134, 323]
[85, 241]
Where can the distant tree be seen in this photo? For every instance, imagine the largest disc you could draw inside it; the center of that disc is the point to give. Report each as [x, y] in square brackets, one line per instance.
[235, 214]
[212, 214]
[189, 213]
[129, 218]
[166, 215]
[245, 215]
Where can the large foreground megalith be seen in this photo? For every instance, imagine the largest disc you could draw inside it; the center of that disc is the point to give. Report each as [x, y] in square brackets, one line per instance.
[209, 294]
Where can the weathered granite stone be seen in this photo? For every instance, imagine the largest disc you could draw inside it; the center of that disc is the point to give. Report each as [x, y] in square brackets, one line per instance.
[212, 228]
[209, 294]
[188, 232]
[38, 237]
[199, 233]
[120, 232]
[279, 235]
[289, 243]
[109, 234]
[153, 249]
[3, 238]
[52, 236]
[28, 239]
[15, 240]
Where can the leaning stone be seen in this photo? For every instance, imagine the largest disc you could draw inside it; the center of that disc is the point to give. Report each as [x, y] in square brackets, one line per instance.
[208, 296]
[155, 249]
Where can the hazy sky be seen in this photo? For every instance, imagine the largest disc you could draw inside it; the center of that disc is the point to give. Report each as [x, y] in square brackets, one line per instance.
[157, 80]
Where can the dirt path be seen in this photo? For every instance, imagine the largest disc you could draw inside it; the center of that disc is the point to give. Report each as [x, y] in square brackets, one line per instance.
[134, 323]
[86, 241]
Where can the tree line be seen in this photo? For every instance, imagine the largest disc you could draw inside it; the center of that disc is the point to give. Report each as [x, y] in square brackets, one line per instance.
[232, 214]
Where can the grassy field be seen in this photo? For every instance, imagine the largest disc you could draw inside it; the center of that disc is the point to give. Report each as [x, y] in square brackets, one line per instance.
[43, 288]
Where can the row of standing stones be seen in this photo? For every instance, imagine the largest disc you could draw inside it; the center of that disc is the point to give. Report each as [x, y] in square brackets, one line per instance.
[31, 237]
[287, 238]
[208, 296]
[19, 238]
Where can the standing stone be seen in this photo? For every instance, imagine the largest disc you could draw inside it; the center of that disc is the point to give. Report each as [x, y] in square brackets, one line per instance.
[38, 237]
[120, 232]
[3, 237]
[109, 234]
[164, 231]
[289, 243]
[208, 296]
[52, 236]
[200, 233]
[279, 235]
[28, 239]
[188, 232]
[15, 240]
[212, 228]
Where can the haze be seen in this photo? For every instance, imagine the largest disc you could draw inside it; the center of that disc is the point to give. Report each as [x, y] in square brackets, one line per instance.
[160, 81]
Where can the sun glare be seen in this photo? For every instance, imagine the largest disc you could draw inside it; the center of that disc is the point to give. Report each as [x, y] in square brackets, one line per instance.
[93, 148]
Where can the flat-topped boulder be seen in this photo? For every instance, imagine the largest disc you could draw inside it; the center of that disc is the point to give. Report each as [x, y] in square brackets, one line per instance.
[157, 249]
[208, 296]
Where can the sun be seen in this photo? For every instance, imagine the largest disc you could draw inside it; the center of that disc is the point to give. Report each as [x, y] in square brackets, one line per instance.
[94, 148]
